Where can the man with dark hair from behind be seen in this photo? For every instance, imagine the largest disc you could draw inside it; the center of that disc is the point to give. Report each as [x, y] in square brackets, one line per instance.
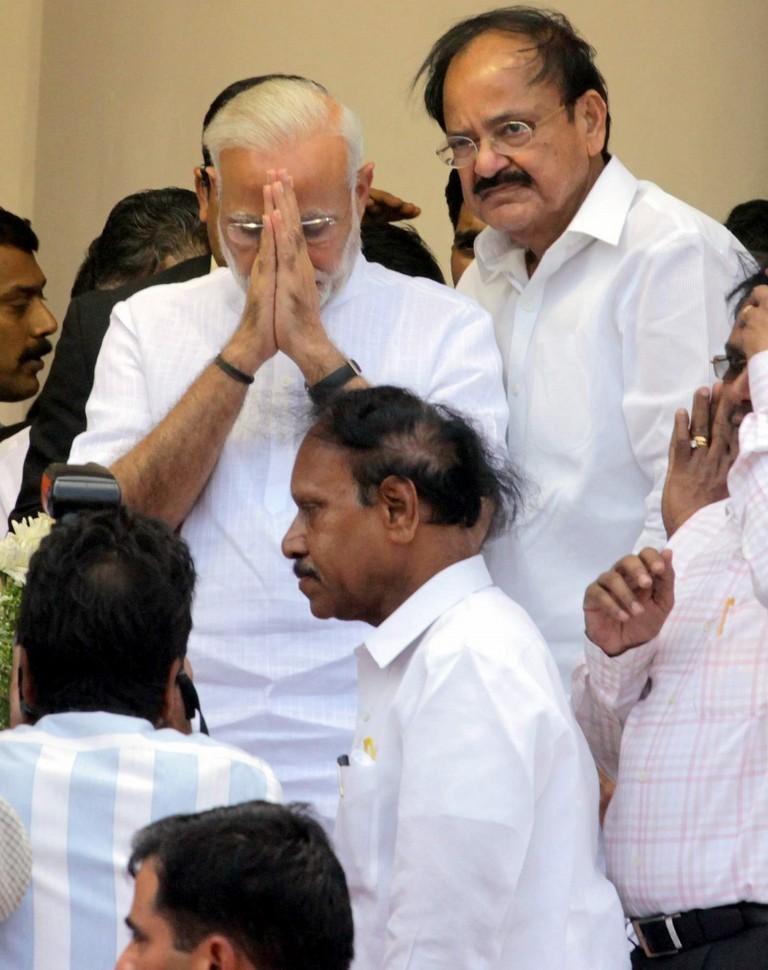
[749, 224]
[399, 248]
[145, 233]
[102, 633]
[250, 887]
[467, 824]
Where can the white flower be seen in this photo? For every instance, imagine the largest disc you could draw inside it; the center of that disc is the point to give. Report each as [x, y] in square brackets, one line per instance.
[17, 548]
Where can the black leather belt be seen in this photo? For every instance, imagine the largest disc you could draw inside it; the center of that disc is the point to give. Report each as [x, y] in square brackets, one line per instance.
[663, 936]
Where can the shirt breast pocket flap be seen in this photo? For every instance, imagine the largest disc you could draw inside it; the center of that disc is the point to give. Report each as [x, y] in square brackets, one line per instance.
[356, 835]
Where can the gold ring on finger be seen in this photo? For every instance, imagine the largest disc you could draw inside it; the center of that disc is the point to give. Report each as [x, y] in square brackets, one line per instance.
[699, 441]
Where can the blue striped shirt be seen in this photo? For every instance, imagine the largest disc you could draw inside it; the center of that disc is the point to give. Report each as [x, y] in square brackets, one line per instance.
[83, 783]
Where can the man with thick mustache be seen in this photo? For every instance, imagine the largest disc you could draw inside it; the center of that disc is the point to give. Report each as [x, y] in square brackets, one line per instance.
[201, 387]
[606, 293]
[25, 320]
[673, 691]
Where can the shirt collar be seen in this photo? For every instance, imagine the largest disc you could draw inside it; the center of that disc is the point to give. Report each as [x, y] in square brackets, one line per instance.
[444, 590]
[75, 724]
[601, 216]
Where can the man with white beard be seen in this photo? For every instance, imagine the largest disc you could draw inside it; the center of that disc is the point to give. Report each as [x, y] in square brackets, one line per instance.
[200, 393]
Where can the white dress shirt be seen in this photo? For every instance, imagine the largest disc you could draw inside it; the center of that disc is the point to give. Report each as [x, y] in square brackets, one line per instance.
[688, 825]
[611, 334]
[467, 822]
[83, 783]
[273, 679]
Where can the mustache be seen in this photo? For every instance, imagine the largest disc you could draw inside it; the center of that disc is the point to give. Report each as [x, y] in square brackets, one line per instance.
[40, 349]
[302, 571]
[512, 177]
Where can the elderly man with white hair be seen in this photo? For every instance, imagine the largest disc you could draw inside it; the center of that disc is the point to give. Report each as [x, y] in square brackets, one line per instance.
[200, 393]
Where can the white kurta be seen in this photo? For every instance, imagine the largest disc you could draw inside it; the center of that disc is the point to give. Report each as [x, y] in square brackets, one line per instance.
[273, 679]
[611, 334]
[467, 825]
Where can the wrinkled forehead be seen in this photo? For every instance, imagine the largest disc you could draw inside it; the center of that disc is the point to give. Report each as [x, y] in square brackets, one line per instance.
[497, 56]
[495, 72]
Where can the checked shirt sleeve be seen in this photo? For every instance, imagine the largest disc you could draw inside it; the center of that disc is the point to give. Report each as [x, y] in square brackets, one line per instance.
[748, 479]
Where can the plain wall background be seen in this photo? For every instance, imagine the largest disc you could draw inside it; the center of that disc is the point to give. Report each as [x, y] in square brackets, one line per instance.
[106, 97]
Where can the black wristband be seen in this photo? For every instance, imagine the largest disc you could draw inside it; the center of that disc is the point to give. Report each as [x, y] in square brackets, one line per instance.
[237, 375]
[319, 393]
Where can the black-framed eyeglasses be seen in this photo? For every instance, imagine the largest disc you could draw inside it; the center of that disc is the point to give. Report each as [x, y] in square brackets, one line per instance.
[727, 367]
[459, 151]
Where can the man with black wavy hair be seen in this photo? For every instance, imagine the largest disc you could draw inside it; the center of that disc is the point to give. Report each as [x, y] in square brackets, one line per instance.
[467, 823]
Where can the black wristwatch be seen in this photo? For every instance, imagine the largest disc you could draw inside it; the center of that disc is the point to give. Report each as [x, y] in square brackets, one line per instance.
[324, 389]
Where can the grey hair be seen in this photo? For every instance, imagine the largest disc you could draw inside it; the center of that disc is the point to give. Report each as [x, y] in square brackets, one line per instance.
[267, 116]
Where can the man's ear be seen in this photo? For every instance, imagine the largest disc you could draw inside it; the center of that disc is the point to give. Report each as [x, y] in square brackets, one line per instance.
[217, 952]
[363, 186]
[400, 508]
[173, 713]
[594, 112]
[202, 188]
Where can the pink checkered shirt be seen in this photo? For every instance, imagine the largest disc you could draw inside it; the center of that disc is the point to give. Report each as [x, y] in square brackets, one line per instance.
[688, 825]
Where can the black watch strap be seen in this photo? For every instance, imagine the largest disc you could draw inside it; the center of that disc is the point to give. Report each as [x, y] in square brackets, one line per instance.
[319, 393]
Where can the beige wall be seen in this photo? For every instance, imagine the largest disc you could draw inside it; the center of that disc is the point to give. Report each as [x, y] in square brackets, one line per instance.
[20, 39]
[124, 85]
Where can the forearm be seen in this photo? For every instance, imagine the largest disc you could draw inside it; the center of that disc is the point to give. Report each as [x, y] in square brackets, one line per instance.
[165, 472]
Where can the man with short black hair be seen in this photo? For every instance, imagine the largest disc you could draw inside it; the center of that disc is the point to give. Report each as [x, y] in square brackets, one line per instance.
[102, 632]
[467, 822]
[145, 233]
[607, 296]
[249, 887]
[25, 320]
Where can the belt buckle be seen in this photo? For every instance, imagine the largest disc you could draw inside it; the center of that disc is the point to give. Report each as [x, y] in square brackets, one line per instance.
[667, 922]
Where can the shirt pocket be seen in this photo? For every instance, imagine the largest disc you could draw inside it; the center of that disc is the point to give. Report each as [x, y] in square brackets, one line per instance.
[357, 830]
[734, 680]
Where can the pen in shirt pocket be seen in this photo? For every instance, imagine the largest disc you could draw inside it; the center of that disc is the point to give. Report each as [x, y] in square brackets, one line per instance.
[342, 762]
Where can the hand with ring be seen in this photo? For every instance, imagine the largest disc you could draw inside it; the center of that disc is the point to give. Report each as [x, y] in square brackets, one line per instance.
[701, 452]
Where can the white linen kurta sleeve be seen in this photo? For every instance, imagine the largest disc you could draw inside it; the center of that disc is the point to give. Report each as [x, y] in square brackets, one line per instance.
[467, 374]
[118, 412]
[469, 790]
[748, 479]
[674, 319]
